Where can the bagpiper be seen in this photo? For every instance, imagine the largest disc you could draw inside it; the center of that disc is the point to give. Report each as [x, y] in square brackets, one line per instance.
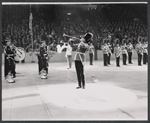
[105, 49]
[124, 53]
[43, 60]
[145, 52]
[130, 52]
[9, 67]
[139, 49]
[118, 52]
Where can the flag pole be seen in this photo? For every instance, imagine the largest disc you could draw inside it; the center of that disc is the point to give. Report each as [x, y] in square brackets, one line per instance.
[31, 32]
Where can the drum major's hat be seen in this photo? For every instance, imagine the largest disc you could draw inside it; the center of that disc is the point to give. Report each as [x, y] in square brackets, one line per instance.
[88, 36]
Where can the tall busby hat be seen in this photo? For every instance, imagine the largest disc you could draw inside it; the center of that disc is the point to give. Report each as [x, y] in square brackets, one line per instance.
[123, 41]
[117, 41]
[88, 37]
[6, 40]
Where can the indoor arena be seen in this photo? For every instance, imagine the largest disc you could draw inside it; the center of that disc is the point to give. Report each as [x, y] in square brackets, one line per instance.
[74, 61]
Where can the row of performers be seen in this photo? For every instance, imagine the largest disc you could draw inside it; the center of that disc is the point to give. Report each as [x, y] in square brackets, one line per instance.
[43, 57]
[126, 50]
[82, 47]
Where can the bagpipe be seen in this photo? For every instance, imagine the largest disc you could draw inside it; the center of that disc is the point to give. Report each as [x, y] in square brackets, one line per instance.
[49, 51]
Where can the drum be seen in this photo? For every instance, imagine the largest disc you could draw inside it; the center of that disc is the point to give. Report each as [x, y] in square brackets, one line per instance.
[20, 54]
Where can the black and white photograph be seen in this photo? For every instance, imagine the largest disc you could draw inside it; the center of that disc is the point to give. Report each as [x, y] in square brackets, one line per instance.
[74, 61]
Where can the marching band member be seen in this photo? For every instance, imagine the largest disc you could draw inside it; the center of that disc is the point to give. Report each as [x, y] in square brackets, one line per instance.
[130, 52]
[139, 49]
[79, 58]
[117, 51]
[91, 53]
[124, 53]
[9, 67]
[105, 49]
[42, 60]
[145, 52]
[68, 53]
[109, 52]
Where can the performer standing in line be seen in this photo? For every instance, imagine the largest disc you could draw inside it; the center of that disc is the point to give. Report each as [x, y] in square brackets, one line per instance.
[42, 60]
[109, 52]
[145, 52]
[130, 52]
[9, 67]
[124, 53]
[79, 58]
[139, 49]
[105, 53]
[68, 53]
[117, 51]
[91, 53]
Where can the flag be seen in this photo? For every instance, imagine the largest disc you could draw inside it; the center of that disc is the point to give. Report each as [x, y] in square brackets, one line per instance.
[30, 23]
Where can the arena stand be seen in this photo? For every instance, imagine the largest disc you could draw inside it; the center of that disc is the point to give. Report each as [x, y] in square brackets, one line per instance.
[102, 21]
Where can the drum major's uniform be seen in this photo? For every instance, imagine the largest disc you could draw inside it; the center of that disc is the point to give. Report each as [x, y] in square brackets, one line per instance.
[79, 58]
[79, 63]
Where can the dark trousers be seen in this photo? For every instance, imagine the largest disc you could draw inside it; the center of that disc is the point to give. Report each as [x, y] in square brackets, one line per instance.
[130, 57]
[145, 58]
[118, 61]
[42, 64]
[9, 67]
[91, 58]
[124, 56]
[105, 56]
[80, 73]
[109, 56]
[139, 58]
[23, 61]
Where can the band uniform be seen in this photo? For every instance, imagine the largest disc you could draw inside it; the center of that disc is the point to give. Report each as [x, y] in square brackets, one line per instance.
[145, 53]
[109, 53]
[42, 59]
[105, 49]
[79, 59]
[9, 67]
[139, 48]
[91, 53]
[124, 53]
[130, 52]
[118, 52]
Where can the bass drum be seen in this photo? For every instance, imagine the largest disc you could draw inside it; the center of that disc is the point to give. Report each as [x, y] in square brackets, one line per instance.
[20, 54]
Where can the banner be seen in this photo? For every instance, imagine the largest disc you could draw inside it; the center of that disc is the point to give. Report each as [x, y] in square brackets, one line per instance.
[30, 24]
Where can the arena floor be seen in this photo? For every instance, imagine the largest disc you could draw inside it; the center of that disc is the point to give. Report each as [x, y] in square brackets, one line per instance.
[120, 94]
